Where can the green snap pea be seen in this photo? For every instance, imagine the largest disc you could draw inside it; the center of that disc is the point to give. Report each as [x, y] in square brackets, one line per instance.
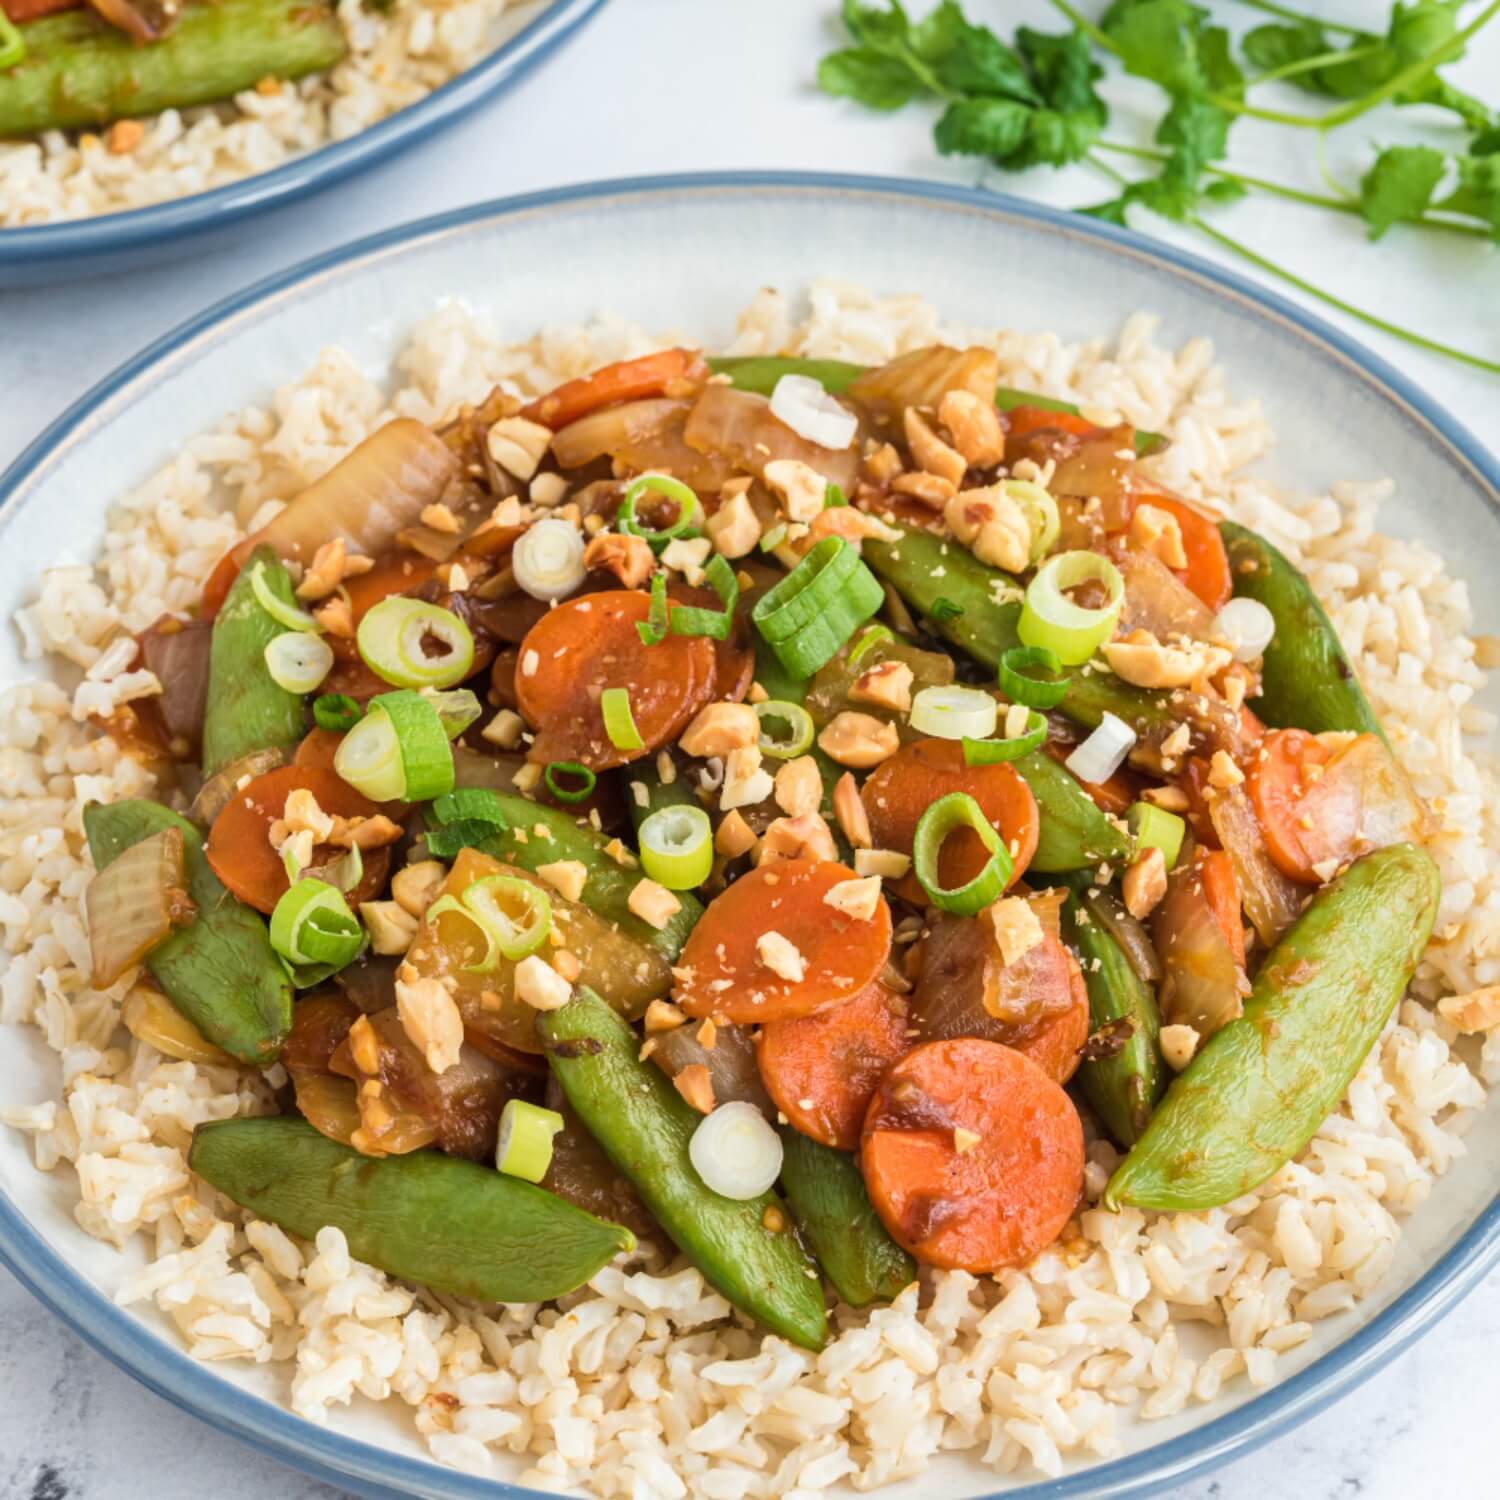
[1308, 680]
[220, 970]
[645, 1126]
[677, 792]
[247, 710]
[1073, 833]
[1124, 1087]
[760, 372]
[80, 71]
[1258, 1090]
[450, 1224]
[832, 1209]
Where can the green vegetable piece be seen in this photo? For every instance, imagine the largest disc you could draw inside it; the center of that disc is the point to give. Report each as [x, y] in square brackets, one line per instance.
[1399, 186]
[1308, 680]
[760, 372]
[80, 71]
[659, 794]
[220, 970]
[450, 1224]
[1073, 832]
[1263, 1084]
[644, 1126]
[515, 841]
[1125, 1087]
[828, 1200]
[246, 709]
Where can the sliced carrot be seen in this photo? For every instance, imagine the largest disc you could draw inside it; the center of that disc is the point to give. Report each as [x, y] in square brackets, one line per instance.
[582, 647]
[628, 380]
[900, 790]
[1286, 765]
[395, 573]
[822, 1070]
[972, 1155]
[1054, 1047]
[318, 749]
[1222, 892]
[1207, 570]
[722, 972]
[221, 580]
[239, 844]
[1022, 421]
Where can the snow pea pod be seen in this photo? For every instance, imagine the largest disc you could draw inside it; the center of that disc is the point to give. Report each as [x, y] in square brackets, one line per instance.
[1263, 1084]
[1124, 1087]
[247, 710]
[450, 1224]
[760, 372]
[645, 1126]
[828, 1199]
[220, 970]
[1073, 833]
[1308, 680]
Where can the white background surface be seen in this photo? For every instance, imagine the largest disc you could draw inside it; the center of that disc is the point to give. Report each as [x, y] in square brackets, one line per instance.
[681, 85]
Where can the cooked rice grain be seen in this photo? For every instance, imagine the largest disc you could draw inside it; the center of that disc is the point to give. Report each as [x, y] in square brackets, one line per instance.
[645, 1383]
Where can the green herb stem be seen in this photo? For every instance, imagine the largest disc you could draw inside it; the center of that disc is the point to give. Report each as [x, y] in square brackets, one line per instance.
[1312, 64]
[1087, 27]
[1286, 13]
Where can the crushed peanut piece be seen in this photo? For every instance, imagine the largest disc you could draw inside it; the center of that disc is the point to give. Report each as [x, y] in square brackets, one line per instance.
[720, 728]
[1479, 1010]
[566, 876]
[696, 1085]
[734, 528]
[974, 425]
[654, 904]
[662, 1015]
[504, 730]
[858, 740]
[416, 887]
[798, 485]
[540, 986]
[930, 489]
[931, 453]
[1168, 798]
[746, 781]
[1145, 883]
[429, 1015]
[964, 1141]
[1222, 771]
[390, 925]
[889, 864]
[806, 836]
[885, 685]
[1178, 1044]
[734, 836]
[517, 444]
[1158, 532]
[992, 526]
[1018, 929]
[1146, 662]
[859, 899]
[629, 558]
[781, 957]
[799, 786]
[849, 810]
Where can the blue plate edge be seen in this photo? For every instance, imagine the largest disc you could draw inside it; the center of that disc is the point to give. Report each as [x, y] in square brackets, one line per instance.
[275, 1430]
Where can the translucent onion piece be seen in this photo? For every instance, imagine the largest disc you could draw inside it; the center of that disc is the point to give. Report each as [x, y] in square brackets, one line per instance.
[805, 407]
[1158, 601]
[741, 429]
[151, 1018]
[732, 1068]
[1271, 901]
[1040, 510]
[548, 559]
[1103, 752]
[1201, 983]
[736, 1152]
[134, 903]
[213, 796]
[922, 377]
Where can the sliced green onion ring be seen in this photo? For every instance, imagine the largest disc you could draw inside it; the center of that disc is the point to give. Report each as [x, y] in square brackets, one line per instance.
[346, 871]
[1040, 510]
[451, 906]
[677, 846]
[393, 636]
[1156, 828]
[471, 804]
[619, 722]
[954, 713]
[687, 619]
[312, 924]
[12, 43]
[369, 758]
[336, 712]
[774, 537]
[512, 916]
[653, 630]
[947, 815]
[995, 752]
[868, 640]
[799, 724]
[524, 1148]
[398, 751]
[808, 616]
[298, 660]
[279, 609]
[1050, 619]
[1020, 688]
[569, 768]
[689, 511]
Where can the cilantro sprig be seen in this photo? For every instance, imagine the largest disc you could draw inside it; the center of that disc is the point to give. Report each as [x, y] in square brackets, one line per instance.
[1033, 101]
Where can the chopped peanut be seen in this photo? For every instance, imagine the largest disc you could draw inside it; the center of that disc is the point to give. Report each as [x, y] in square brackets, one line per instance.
[804, 837]
[974, 425]
[1168, 798]
[734, 528]
[540, 986]
[696, 1086]
[331, 565]
[440, 518]
[430, 1017]
[365, 833]
[853, 525]
[517, 444]
[858, 740]
[568, 965]
[303, 815]
[1145, 883]
[889, 864]
[1158, 532]
[964, 1141]
[1179, 742]
[334, 617]
[416, 887]
[1018, 929]
[859, 899]
[734, 836]
[390, 925]
[1479, 1010]
[886, 685]
[1178, 1044]
[124, 136]
[849, 809]
[930, 489]
[654, 904]
[746, 781]
[629, 558]
[799, 786]
[781, 957]
[720, 728]
[548, 490]
[992, 526]
[1143, 660]
[883, 465]
[566, 876]
[799, 486]
[931, 453]
[504, 729]
[662, 1015]
[1222, 771]
[687, 556]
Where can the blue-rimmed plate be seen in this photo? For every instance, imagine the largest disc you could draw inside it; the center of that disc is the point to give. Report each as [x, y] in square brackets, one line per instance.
[685, 254]
[46, 253]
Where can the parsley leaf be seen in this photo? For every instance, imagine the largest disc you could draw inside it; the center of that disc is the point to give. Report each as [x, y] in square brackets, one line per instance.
[1399, 186]
[995, 128]
[970, 59]
[1478, 191]
[1073, 116]
[869, 77]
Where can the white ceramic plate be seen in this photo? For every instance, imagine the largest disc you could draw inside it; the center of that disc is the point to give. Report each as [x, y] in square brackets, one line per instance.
[685, 254]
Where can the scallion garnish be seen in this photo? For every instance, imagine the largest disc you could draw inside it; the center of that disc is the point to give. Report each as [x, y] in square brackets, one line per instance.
[524, 1147]
[298, 660]
[619, 722]
[1050, 619]
[945, 609]
[689, 511]
[312, 924]
[994, 752]
[950, 712]
[399, 750]
[1156, 828]
[947, 815]
[336, 712]
[868, 639]
[834, 497]
[809, 615]
[677, 846]
[569, 768]
[687, 620]
[1026, 690]
[281, 610]
[394, 636]
[653, 629]
[511, 915]
[800, 728]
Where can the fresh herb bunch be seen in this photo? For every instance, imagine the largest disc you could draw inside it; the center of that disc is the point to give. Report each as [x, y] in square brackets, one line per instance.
[1033, 101]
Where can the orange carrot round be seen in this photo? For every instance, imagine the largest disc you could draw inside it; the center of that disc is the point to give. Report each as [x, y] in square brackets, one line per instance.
[1222, 892]
[972, 1155]
[1207, 570]
[1280, 773]
[821, 1070]
[588, 644]
[625, 380]
[1054, 1047]
[723, 970]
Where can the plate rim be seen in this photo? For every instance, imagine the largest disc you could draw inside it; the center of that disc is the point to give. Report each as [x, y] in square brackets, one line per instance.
[135, 229]
[333, 1456]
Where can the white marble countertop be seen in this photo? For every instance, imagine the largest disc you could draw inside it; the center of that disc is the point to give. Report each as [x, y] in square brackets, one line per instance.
[681, 85]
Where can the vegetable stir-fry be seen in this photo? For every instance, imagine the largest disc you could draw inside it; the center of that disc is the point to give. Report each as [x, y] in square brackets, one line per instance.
[772, 807]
